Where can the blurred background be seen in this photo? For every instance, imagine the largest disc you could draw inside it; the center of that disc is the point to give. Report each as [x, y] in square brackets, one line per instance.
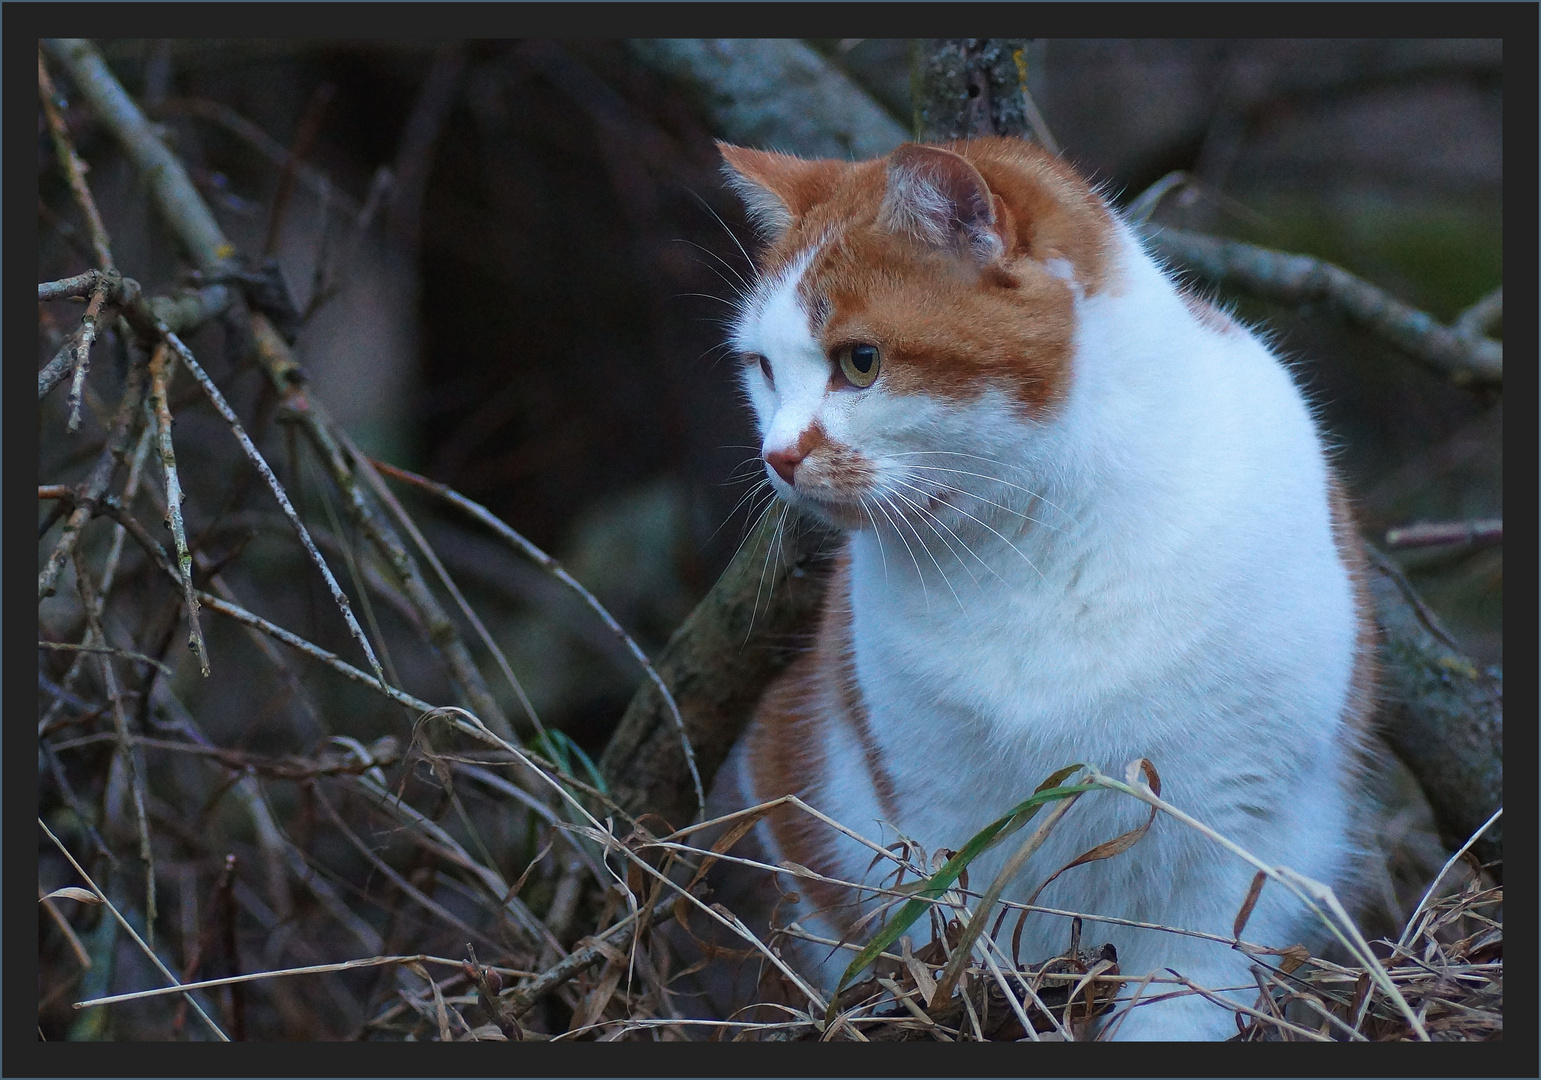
[509, 264]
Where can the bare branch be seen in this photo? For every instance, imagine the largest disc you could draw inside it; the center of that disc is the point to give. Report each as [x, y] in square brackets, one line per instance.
[74, 168]
[116, 914]
[1441, 714]
[96, 486]
[1298, 279]
[160, 381]
[776, 93]
[1480, 531]
[256, 458]
[173, 191]
[82, 359]
[71, 287]
[1483, 316]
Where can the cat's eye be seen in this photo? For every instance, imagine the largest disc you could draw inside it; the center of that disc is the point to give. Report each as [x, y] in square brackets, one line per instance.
[751, 359]
[860, 363]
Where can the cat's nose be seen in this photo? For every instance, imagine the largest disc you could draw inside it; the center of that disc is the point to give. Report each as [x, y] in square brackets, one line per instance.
[785, 462]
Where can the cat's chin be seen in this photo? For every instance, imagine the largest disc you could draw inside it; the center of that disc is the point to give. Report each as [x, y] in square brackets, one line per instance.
[840, 515]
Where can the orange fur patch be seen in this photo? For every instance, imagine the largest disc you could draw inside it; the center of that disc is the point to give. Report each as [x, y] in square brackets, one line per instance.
[1208, 315]
[1365, 681]
[784, 744]
[945, 324]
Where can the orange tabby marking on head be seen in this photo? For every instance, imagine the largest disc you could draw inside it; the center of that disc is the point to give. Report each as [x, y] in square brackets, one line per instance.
[946, 326]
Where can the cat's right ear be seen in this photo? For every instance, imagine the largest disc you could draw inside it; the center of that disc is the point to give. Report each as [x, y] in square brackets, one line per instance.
[777, 189]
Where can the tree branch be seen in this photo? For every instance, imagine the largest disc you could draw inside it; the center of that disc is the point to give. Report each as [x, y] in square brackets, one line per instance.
[775, 93]
[1440, 714]
[1300, 279]
[746, 631]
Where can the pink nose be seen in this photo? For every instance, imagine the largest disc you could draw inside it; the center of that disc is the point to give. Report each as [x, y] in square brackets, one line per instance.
[785, 462]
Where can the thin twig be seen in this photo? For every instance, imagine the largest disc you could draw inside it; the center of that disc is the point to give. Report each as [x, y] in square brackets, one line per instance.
[74, 168]
[96, 486]
[52, 373]
[81, 362]
[1482, 317]
[240, 614]
[129, 757]
[314, 969]
[1480, 531]
[254, 136]
[334, 448]
[62, 646]
[471, 725]
[257, 460]
[160, 385]
[175, 987]
[172, 189]
[70, 288]
[540, 558]
[365, 466]
[391, 875]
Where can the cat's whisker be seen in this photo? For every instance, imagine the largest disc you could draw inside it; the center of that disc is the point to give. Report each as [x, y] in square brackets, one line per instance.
[757, 515]
[706, 296]
[946, 580]
[882, 504]
[731, 236]
[932, 518]
[877, 534]
[1005, 483]
[770, 548]
[742, 288]
[915, 532]
[1008, 543]
[756, 469]
[747, 496]
[940, 486]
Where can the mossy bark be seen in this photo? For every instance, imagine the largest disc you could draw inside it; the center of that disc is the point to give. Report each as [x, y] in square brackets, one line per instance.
[744, 633]
[965, 87]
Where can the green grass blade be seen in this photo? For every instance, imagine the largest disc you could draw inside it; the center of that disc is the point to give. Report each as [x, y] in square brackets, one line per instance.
[986, 838]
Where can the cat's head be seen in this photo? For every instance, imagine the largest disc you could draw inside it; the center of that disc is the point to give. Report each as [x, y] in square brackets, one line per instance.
[909, 308]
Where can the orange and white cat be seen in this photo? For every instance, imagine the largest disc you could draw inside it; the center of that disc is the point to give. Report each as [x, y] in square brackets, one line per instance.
[1087, 518]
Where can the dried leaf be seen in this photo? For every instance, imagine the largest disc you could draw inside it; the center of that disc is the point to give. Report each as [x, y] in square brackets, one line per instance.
[1119, 844]
[85, 896]
[923, 980]
[1248, 904]
[1293, 957]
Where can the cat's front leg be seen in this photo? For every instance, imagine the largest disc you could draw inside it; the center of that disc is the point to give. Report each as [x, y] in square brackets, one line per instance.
[1166, 1010]
[1156, 1017]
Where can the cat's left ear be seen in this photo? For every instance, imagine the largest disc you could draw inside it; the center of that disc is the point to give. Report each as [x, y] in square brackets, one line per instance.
[939, 198]
[777, 189]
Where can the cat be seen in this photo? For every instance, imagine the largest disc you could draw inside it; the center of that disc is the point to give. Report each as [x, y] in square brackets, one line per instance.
[1087, 517]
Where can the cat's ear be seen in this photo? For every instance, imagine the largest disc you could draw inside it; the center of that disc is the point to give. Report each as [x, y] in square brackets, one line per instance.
[940, 199]
[777, 189]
